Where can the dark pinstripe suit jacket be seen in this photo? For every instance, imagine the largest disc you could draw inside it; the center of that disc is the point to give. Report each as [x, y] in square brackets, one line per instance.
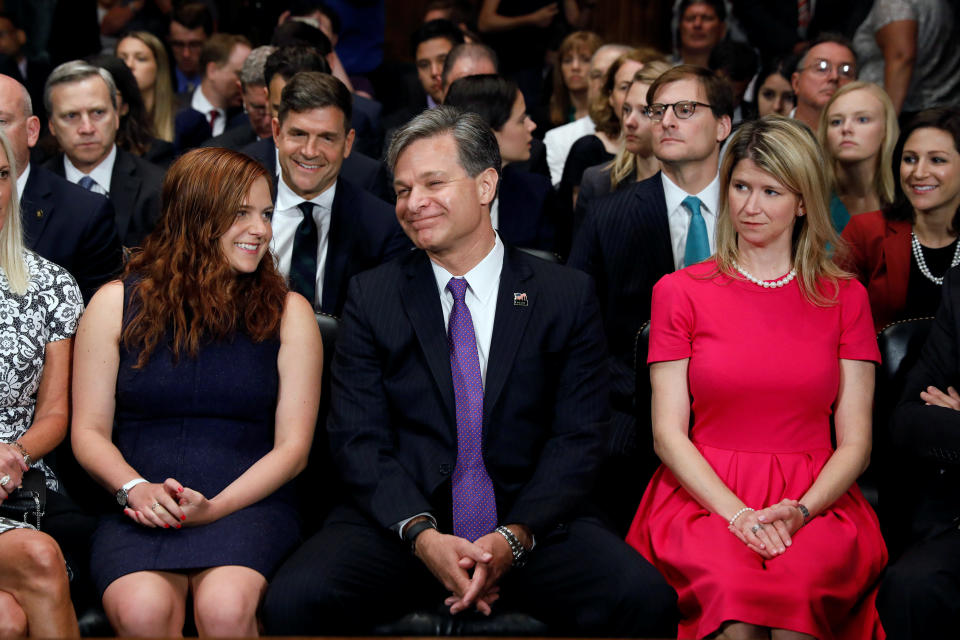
[624, 244]
[392, 426]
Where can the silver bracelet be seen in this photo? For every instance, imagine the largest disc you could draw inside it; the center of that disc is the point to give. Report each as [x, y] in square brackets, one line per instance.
[738, 514]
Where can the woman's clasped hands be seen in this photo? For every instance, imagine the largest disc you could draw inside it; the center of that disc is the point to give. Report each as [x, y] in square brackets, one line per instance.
[168, 505]
[12, 468]
[769, 531]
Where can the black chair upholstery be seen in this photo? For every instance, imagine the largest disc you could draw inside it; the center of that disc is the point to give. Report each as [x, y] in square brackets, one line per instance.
[441, 623]
[900, 346]
[543, 254]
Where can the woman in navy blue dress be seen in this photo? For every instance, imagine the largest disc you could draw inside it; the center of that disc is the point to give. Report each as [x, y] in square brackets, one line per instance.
[197, 381]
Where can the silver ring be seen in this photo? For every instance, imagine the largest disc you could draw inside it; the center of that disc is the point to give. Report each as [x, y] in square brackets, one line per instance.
[756, 528]
[4, 480]
[156, 507]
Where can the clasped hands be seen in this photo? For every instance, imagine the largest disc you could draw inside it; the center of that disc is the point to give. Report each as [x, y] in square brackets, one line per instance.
[769, 532]
[471, 571]
[168, 505]
[12, 465]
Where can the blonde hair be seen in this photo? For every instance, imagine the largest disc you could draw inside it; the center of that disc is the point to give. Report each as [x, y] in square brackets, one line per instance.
[624, 164]
[11, 234]
[788, 151]
[883, 180]
[161, 113]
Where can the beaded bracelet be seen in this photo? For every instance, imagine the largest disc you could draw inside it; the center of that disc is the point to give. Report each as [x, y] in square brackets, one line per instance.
[738, 514]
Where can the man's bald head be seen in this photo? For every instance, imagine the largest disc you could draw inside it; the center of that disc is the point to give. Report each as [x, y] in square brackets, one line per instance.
[464, 60]
[17, 120]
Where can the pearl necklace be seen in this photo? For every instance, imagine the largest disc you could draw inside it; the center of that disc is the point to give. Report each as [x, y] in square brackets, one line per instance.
[767, 284]
[922, 264]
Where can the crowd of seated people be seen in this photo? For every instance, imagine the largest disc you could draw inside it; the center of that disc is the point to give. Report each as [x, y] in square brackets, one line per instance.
[187, 189]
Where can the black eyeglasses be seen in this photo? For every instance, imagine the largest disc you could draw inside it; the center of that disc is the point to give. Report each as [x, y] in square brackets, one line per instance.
[683, 109]
[825, 67]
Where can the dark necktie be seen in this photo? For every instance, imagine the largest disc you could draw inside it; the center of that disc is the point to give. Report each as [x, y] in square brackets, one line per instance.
[474, 505]
[214, 114]
[698, 244]
[303, 261]
[87, 183]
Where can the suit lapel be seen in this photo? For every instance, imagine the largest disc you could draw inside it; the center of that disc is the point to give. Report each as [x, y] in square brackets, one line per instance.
[421, 302]
[655, 224]
[338, 247]
[510, 321]
[36, 207]
[124, 187]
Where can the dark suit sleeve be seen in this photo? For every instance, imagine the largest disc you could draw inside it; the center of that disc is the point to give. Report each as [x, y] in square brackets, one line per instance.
[100, 257]
[571, 456]
[933, 432]
[360, 424]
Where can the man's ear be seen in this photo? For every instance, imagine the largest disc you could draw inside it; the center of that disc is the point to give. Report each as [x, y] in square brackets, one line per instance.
[487, 185]
[724, 126]
[795, 82]
[348, 143]
[275, 125]
[33, 130]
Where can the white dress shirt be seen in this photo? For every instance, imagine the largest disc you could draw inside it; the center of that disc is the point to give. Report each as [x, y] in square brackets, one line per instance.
[483, 284]
[102, 174]
[558, 142]
[287, 216]
[204, 106]
[22, 182]
[679, 216]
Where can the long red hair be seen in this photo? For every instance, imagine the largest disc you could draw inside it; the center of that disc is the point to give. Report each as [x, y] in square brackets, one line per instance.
[182, 280]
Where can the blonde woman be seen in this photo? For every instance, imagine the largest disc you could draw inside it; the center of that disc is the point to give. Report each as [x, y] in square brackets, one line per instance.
[754, 517]
[40, 304]
[858, 132]
[147, 59]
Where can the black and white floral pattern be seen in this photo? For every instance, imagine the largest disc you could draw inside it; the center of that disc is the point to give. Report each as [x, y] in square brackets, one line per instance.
[47, 312]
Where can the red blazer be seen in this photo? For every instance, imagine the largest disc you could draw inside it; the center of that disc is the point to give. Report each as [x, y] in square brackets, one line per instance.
[880, 257]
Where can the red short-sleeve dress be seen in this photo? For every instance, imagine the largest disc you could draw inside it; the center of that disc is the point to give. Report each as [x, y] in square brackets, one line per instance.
[763, 376]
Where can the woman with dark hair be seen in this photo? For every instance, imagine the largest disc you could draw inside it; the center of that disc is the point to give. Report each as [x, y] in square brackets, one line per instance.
[568, 102]
[197, 381]
[145, 55]
[521, 212]
[135, 133]
[759, 356]
[902, 253]
[774, 92]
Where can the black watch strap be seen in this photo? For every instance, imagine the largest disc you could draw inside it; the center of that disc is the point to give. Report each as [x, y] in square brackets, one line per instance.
[412, 531]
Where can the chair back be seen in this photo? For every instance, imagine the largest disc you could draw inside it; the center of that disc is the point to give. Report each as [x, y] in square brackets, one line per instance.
[543, 254]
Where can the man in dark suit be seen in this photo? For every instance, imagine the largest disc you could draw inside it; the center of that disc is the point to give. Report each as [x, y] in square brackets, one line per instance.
[62, 222]
[82, 103]
[214, 106]
[325, 229]
[254, 93]
[920, 595]
[362, 171]
[634, 236]
[468, 419]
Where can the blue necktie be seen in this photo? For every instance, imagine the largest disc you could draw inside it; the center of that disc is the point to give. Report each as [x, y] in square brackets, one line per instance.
[474, 504]
[303, 259]
[87, 183]
[698, 244]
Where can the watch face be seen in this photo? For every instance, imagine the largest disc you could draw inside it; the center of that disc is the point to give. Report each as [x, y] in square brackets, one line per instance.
[122, 497]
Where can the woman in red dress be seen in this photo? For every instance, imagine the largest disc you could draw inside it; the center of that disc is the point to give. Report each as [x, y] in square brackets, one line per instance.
[754, 517]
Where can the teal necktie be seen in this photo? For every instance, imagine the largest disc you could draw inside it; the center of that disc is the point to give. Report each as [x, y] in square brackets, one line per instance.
[698, 244]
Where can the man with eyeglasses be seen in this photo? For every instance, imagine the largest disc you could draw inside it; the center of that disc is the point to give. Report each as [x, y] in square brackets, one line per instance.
[827, 64]
[634, 236]
[190, 26]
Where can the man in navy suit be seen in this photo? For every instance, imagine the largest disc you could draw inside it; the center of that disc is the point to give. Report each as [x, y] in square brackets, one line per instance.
[325, 229]
[468, 418]
[82, 103]
[634, 236]
[62, 222]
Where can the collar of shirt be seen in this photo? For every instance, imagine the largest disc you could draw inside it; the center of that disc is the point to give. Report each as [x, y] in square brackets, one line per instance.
[101, 174]
[495, 213]
[483, 284]
[679, 216]
[204, 106]
[431, 103]
[288, 201]
[22, 66]
[22, 182]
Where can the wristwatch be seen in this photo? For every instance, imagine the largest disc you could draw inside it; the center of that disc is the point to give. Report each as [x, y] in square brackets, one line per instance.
[516, 548]
[414, 530]
[123, 491]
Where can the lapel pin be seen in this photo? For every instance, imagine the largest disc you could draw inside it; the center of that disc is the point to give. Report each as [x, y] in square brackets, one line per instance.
[39, 213]
[520, 299]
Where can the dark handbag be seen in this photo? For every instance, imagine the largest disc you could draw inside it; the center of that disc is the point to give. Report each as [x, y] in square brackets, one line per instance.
[27, 504]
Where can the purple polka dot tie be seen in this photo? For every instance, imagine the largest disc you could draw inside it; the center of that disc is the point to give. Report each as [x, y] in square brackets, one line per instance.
[474, 506]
